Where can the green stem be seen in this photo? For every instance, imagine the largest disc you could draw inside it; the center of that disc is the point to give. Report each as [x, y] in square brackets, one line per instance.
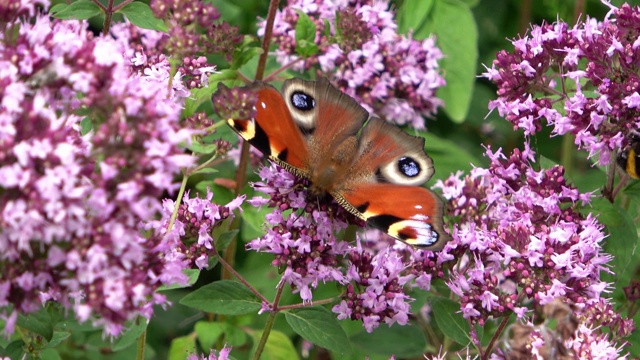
[567, 154]
[269, 325]
[201, 166]
[174, 215]
[142, 340]
[214, 127]
[303, 305]
[233, 272]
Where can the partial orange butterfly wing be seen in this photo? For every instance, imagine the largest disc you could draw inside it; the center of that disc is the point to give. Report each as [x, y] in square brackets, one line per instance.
[273, 131]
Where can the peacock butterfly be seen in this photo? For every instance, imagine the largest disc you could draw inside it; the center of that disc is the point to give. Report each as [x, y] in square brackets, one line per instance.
[370, 167]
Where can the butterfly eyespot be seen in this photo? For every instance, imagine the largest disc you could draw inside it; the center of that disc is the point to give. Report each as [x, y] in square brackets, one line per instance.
[409, 167]
[303, 101]
[406, 170]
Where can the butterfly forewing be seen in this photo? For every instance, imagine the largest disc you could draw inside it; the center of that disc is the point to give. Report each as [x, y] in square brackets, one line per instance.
[273, 131]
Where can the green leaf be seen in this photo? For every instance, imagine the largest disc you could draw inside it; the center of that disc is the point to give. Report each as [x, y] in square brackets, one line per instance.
[57, 338]
[223, 297]
[235, 336]
[278, 346]
[209, 332]
[131, 334]
[253, 222]
[200, 148]
[49, 354]
[450, 320]
[58, 7]
[327, 28]
[448, 156]
[453, 24]
[244, 55]
[85, 126]
[225, 239]
[140, 15]
[193, 275]
[319, 326]
[402, 341]
[305, 35]
[414, 15]
[197, 98]
[181, 347]
[14, 350]
[622, 241]
[546, 163]
[39, 322]
[222, 75]
[81, 9]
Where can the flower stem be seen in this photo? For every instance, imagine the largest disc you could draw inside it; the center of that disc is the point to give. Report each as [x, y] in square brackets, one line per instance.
[229, 254]
[495, 337]
[201, 166]
[266, 41]
[176, 205]
[142, 340]
[233, 272]
[313, 303]
[269, 325]
[285, 67]
[567, 154]
[106, 25]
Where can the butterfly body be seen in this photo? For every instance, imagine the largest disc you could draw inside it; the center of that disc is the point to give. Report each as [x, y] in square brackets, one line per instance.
[370, 167]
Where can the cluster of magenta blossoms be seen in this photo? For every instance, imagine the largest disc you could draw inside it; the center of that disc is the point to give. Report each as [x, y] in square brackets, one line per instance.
[390, 74]
[195, 220]
[519, 238]
[302, 235]
[193, 28]
[580, 80]
[89, 142]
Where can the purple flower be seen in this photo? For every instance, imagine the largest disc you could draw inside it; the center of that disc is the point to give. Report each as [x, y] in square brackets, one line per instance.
[197, 218]
[305, 246]
[388, 73]
[518, 235]
[73, 203]
[559, 63]
[223, 354]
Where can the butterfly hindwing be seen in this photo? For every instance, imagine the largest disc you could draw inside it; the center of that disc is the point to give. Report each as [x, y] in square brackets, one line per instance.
[410, 213]
[390, 197]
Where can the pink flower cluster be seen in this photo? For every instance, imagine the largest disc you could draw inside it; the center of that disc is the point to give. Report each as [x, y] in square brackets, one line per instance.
[307, 251]
[305, 246]
[518, 236]
[388, 73]
[196, 219]
[376, 289]
[524, 237]
[87, 147]
[580, 80]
